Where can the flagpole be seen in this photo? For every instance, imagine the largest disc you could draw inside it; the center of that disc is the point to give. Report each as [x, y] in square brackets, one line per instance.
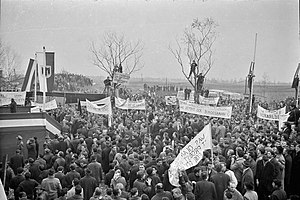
[252, 77]
[44, 77]
[35, 78]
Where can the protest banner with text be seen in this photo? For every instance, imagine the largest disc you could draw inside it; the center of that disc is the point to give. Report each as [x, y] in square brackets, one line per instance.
[191, 154]
[221, 112]
[270, 114]
[19, 97]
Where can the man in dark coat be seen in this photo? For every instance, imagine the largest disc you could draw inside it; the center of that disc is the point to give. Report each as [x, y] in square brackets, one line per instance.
[27, 186]
[160, 193]
[294, 115]
[265, 176]
[221, 181]
[247, 176]
[105, 157]
[13, 106]
[89, 184]
[31, 148]
[288, 170]
[71, 175]
[204, 189]
[17, 161]
[15, 181]
[296, 172]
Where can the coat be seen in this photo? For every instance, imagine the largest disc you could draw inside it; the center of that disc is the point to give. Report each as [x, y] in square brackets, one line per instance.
[205, 190]
[221, 181]
[16, 161]
[89, 184]
[247, 177]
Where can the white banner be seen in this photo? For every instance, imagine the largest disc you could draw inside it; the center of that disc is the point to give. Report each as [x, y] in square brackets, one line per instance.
[171, 100]
[101, 101]
[209, 100]
[50, 105]
[19, 97]
[102, 110]
[121, 78]
[270, 114]
[191, 154]
[130, 105]
[221, 112]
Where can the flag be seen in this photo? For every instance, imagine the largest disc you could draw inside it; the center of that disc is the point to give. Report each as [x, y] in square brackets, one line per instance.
[295, 83]
[41, 71]
[29, 76]
[191, 154]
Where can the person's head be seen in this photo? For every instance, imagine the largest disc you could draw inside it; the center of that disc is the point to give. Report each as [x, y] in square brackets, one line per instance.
[197, 171]
[60, 169]
[219, 167]
[204, 175]
[27, 175]
[51, 172]
[72, 167]
[159, 187]
[78, 189]
[120, 186]
[134, 192]
[75, 181]
[20, 170]
[97, 191]
[144, 197]
[177, 193]
[279, 149]
[140, 175]
[88, 172]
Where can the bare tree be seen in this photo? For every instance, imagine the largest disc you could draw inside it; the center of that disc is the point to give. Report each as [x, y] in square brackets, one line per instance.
[115, 50]
[196, 45]
[9, 64]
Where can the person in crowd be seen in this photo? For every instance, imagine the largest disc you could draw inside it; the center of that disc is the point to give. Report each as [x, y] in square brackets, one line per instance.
[13, 106]
[27, 186]
[15, 181]
[221, 181]
[205, 189]
[232, 193]
[96, 169]
[278, 193]
[17, 161]
[247, 176]
[77, 195]
[88, 183]
[71, 192]
[250, 194]
[160, 193]
[51, 185]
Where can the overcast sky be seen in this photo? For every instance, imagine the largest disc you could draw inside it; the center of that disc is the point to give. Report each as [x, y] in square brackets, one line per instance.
[68, 26]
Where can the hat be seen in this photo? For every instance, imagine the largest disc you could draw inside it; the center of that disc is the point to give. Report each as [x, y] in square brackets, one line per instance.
[19, 137]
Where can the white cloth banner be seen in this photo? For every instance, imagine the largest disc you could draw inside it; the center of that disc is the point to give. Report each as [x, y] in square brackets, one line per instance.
[130, 105]
[221, 112]
[19, 97]
[209, 100]
[102, 110]
[101, 101]
[50, 105]
[171, 100]
[121, 78]
[270, 114]
[191, 154]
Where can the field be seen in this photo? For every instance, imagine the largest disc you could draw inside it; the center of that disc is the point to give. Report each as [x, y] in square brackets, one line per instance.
[267, 92]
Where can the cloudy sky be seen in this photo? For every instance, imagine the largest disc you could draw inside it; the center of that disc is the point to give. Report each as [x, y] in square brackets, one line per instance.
[67, 27]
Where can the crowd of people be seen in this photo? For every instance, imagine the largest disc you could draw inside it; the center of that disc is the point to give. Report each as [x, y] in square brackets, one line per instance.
[71, 82]
[251, 158]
